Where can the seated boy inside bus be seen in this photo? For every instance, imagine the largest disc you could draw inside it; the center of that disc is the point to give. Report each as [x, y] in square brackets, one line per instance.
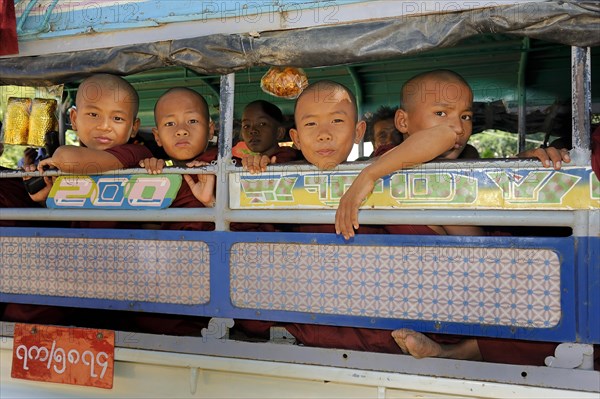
[105, 118]
[262, 129]
[382, 130]
[184, 129]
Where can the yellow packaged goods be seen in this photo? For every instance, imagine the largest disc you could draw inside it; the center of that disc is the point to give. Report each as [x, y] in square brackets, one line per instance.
[41, 121]
[285, 82]
[16, 120]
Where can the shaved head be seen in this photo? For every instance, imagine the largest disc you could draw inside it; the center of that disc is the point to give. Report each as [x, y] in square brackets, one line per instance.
[444, 84]
[325, 89]
[194, 93]
[93, 88]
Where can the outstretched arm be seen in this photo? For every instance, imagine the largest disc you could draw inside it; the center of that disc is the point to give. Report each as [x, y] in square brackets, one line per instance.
[419, 147]
[74, 159]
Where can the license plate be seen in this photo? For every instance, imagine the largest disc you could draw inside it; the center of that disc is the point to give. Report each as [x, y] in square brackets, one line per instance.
[67, 355]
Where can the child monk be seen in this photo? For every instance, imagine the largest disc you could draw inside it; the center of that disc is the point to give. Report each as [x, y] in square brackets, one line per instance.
[105, 118]
[262, 130]
[184, 129]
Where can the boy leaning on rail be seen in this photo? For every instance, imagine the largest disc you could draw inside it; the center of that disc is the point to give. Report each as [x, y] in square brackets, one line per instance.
[105, 119]
[425, 110]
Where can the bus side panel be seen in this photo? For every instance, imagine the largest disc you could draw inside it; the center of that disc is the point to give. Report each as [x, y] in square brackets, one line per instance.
[512, 287]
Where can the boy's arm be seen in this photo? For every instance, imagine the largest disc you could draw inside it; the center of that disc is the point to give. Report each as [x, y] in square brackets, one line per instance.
[74, 159]
[419, 147]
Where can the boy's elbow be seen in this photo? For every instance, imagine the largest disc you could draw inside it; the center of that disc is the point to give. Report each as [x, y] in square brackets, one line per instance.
[59, 158]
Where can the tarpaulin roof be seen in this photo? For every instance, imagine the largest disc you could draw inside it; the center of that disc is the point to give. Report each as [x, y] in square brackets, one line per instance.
[575, 23]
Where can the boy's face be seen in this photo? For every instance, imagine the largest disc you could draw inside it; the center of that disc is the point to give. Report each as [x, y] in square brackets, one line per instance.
[182, 127]
[439, 102]
[104, 118]
[384, 133]
[260, 132]
[326, 127]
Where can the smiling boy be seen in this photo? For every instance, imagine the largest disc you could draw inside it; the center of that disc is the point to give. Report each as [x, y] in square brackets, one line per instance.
[105, 119]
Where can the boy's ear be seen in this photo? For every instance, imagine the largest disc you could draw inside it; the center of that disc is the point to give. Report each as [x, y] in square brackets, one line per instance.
[135, 127]
[401, 121]
[280, 133]
[211, 130]
[156, 137]
[361, 128]
[294, 135]
[73, 116]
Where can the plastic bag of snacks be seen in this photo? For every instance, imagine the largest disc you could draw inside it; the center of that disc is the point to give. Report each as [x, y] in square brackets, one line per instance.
[42, 120]
[284, 82]
[27, 121]
[16, 120]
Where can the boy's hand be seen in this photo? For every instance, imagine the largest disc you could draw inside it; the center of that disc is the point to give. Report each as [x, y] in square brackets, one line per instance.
[204, 188]
[257, 163]
[45, 164]
[41, 195]
[154, 166]
[346, 216]
[549, 156]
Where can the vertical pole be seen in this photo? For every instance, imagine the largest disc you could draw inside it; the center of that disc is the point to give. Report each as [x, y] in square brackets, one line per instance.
[359, 100]
[581, 104]
[226, 102]
[522, 96]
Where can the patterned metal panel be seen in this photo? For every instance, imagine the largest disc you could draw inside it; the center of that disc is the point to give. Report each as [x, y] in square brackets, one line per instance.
[132, 270]
[494, 286]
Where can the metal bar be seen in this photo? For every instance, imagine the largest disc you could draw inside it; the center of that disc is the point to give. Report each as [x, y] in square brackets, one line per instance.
[581, 103]
[226, 101]
[522, 95]
[490, 217]
[466, 166]
[200, 170]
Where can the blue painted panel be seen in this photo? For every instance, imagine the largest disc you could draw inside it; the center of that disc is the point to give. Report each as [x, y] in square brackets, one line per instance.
[588, 259]
[56, 19]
